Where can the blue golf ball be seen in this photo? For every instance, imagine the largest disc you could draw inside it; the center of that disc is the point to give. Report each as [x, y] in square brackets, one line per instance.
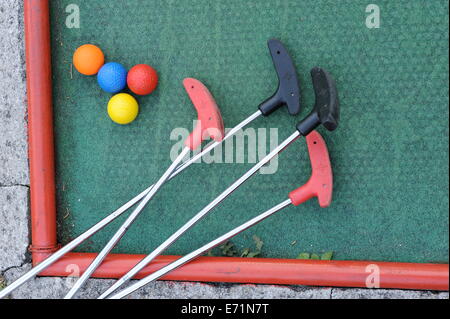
[112, 77]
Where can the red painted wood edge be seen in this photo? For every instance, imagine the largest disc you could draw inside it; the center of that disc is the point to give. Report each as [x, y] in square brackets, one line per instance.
[207, 269]
[40, 127]
[269, 271]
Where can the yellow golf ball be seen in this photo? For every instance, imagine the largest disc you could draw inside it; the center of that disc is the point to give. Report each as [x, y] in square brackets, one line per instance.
[123, 108]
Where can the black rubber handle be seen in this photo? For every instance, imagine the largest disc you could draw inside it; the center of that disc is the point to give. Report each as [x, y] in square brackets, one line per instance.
[288, 92]
[326, 108]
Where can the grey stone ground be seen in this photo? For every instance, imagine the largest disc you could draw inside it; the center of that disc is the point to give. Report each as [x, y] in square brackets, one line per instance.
[14, 212]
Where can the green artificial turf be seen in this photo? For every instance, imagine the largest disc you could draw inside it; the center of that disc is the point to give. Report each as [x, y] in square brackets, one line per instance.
[389, 155]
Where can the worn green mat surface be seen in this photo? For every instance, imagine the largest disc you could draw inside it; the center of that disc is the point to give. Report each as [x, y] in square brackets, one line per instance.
[390, 154]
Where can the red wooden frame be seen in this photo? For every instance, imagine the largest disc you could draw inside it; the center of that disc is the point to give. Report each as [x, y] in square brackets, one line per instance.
[207, 269]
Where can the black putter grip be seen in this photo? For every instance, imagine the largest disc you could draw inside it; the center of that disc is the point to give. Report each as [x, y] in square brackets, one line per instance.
[288, 92]
[326, 108]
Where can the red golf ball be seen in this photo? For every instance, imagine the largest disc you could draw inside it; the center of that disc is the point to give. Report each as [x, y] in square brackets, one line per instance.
[142, 79]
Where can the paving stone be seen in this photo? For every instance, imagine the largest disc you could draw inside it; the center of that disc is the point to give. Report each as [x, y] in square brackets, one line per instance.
[353, 293]
[13, 134]
[14, 230]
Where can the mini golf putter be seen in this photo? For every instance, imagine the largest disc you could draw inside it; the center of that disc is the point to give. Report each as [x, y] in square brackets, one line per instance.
[288, 92]
[325, 112]
[211, 124]
[326, 108]
[319, 185]
[287, 82]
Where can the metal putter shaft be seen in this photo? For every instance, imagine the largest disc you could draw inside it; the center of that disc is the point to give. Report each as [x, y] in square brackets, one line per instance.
[287, 93]
[144, 262]
[210, 124]
[113, 216]
[208, 113]
[325, 112]
[319, 185]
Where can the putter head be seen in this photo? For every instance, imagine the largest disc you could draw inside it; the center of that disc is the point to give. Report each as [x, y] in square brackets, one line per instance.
[326, 108]
[320, 184]
[210, 123]
[288, 92]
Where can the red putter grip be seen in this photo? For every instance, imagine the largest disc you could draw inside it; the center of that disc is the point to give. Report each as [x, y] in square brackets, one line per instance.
[210, 123]
[320, 184]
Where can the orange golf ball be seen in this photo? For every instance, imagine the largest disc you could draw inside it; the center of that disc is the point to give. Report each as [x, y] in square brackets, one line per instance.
[88, 59]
